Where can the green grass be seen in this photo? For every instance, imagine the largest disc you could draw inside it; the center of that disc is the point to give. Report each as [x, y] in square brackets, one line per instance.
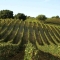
[52, 49]
[53, 21]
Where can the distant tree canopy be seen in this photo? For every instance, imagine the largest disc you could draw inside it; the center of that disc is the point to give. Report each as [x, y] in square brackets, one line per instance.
[55, 16]
[41, 17]
[9, 14]
[20, 16]
[6, 14]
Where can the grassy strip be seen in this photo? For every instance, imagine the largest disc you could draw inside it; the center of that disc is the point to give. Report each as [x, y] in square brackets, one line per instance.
[30, 52]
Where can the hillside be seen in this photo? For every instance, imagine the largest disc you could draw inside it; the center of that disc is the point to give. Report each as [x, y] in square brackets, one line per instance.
[32, 40]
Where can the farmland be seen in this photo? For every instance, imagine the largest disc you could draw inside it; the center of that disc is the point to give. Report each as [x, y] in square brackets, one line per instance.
[31, 40]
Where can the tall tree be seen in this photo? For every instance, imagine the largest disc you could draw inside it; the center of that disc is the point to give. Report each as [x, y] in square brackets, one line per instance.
[6, 14]
[20, 16]
[41, 17]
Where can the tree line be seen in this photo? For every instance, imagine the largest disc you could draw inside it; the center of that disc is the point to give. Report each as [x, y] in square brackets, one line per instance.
[9, 14]
[4, 14]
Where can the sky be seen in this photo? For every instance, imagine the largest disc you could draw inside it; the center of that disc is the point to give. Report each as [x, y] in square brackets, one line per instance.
[32, 7]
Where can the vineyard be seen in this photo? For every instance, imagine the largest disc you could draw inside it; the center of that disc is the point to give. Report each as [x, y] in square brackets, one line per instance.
[15, 35]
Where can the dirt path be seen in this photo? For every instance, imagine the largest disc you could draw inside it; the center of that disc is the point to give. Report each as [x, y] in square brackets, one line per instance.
[19, 56]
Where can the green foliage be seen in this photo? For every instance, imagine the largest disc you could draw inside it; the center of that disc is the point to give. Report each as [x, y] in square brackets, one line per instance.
[6, 14]
[20, 16]
[53, 20]
[55, 16]
[29, 17]
[30, 52]
[7, 49]
[41, 17]
[39, 33]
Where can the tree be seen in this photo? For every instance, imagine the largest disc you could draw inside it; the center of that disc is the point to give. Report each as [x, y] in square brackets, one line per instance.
[41, 17]
[55, 16]
[20, 16]
[6, 14]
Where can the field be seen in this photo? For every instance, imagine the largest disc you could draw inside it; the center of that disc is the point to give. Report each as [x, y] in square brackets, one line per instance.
[33, 40]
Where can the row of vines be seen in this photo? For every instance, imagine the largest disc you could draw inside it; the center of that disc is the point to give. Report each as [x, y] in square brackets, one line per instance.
[16, 33]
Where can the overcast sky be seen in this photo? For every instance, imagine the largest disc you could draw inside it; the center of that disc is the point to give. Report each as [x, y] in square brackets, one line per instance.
[32, 7]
